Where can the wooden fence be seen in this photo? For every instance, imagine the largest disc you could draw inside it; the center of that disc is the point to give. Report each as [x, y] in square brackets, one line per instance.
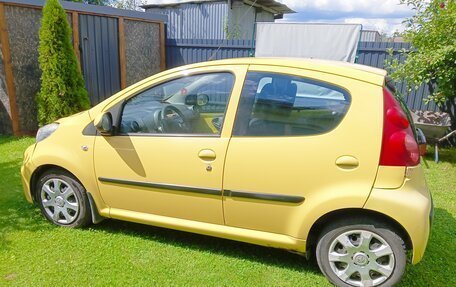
[115, 48]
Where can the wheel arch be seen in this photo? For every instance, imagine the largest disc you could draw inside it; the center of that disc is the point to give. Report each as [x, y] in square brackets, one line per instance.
[38, 172]
[354, 213]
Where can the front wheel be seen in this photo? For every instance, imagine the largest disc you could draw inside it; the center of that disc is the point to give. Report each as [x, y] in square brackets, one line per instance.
[361, 255]
[63, 200]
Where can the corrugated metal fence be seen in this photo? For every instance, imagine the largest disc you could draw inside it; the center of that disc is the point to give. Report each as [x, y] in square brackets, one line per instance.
[186, 51]
[375, 53]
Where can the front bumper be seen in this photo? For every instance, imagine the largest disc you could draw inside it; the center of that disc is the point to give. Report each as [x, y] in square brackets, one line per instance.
[410, 205]
[26, 172]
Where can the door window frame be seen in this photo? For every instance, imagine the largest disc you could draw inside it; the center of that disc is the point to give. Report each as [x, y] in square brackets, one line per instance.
[310, 80]
[119, 107]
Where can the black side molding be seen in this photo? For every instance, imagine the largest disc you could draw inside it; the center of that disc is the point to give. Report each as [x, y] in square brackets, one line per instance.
[209, 191]
[183, 188]
[265, 196]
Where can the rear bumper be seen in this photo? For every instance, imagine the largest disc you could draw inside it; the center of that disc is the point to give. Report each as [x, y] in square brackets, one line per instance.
[410, 205]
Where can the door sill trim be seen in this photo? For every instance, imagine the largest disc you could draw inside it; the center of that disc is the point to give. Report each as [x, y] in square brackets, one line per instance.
[234, 233]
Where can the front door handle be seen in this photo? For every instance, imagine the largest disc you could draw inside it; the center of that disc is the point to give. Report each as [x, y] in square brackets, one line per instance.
[347, 162]
[207, 155]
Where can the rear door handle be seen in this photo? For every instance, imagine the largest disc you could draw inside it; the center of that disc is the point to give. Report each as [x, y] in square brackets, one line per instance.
[347, 162]
[207, 155]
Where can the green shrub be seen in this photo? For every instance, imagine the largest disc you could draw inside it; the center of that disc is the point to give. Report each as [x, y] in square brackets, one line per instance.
[432, 59]
[62, 86]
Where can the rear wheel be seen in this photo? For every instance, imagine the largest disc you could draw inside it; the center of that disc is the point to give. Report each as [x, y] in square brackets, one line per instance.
[62, 199]
[354, 254]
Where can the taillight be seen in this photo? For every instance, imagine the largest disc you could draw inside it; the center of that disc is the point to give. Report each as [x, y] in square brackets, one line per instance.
[399, 147]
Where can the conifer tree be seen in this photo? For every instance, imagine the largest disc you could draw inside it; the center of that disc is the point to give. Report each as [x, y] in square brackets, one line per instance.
[62, 90]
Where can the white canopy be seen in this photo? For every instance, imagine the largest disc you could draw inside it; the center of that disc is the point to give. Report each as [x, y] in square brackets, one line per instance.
[320, 41]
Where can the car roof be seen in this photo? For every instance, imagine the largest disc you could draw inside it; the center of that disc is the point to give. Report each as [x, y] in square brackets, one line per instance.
[359, 72]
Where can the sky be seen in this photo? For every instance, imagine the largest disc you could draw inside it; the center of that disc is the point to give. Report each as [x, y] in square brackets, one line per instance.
[381, 15]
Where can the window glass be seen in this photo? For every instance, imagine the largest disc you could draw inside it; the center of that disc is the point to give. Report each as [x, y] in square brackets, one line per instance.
[188, 105]
[263, 82]
[284, 105]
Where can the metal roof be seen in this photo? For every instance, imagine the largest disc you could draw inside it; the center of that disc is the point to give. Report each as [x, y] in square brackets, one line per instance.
[274, 5]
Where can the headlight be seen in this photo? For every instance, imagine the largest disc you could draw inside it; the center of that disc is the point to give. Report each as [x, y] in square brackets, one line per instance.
[46, 131]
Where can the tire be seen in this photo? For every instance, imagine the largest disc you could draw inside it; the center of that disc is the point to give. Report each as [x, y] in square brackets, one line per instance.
[63, 199]
[361, 253]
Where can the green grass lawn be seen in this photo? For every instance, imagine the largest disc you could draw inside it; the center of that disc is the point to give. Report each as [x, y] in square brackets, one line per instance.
[35, 253]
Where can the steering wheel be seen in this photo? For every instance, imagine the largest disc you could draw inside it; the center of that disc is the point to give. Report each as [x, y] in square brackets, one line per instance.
[172, 120]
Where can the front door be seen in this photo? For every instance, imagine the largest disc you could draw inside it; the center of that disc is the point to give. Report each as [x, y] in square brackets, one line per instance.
[168, 155]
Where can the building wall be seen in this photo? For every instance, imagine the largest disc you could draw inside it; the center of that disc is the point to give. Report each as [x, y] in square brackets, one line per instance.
[212, 20]
[370, 36]
[241, 21]
[195, 21]
[265, 16]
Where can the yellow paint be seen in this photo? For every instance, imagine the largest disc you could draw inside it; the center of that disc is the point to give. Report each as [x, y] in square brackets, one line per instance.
[223, 231]
[306, 165]
[390, 176]
[332, 171]
[409, 205]
[64, 149]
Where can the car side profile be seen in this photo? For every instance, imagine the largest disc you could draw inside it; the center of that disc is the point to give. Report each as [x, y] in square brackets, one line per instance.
[315, 157]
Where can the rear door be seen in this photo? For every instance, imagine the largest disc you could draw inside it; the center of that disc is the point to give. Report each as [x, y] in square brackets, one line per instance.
[304, 143]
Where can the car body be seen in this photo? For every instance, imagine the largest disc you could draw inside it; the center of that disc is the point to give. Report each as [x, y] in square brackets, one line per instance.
[275, 152]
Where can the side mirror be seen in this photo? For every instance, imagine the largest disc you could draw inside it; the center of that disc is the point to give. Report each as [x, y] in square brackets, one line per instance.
[198, 100]
[103, 123]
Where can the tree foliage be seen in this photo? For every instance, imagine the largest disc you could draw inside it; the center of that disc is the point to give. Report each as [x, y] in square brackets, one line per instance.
[121, 4]
[129, 4]
[94, 2]
[62, 90]
[432, 58]
[97, 2]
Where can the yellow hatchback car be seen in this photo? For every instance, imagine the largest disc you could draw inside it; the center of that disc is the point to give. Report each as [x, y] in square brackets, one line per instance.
[304, 155]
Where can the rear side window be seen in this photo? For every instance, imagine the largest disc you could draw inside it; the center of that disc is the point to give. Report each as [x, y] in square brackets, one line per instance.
[284, 105]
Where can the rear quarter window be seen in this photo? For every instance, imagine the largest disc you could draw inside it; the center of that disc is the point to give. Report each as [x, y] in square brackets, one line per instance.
[284, 105]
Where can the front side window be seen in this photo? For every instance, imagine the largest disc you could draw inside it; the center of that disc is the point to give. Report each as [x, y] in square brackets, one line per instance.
[189, 105]
[283, 105]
